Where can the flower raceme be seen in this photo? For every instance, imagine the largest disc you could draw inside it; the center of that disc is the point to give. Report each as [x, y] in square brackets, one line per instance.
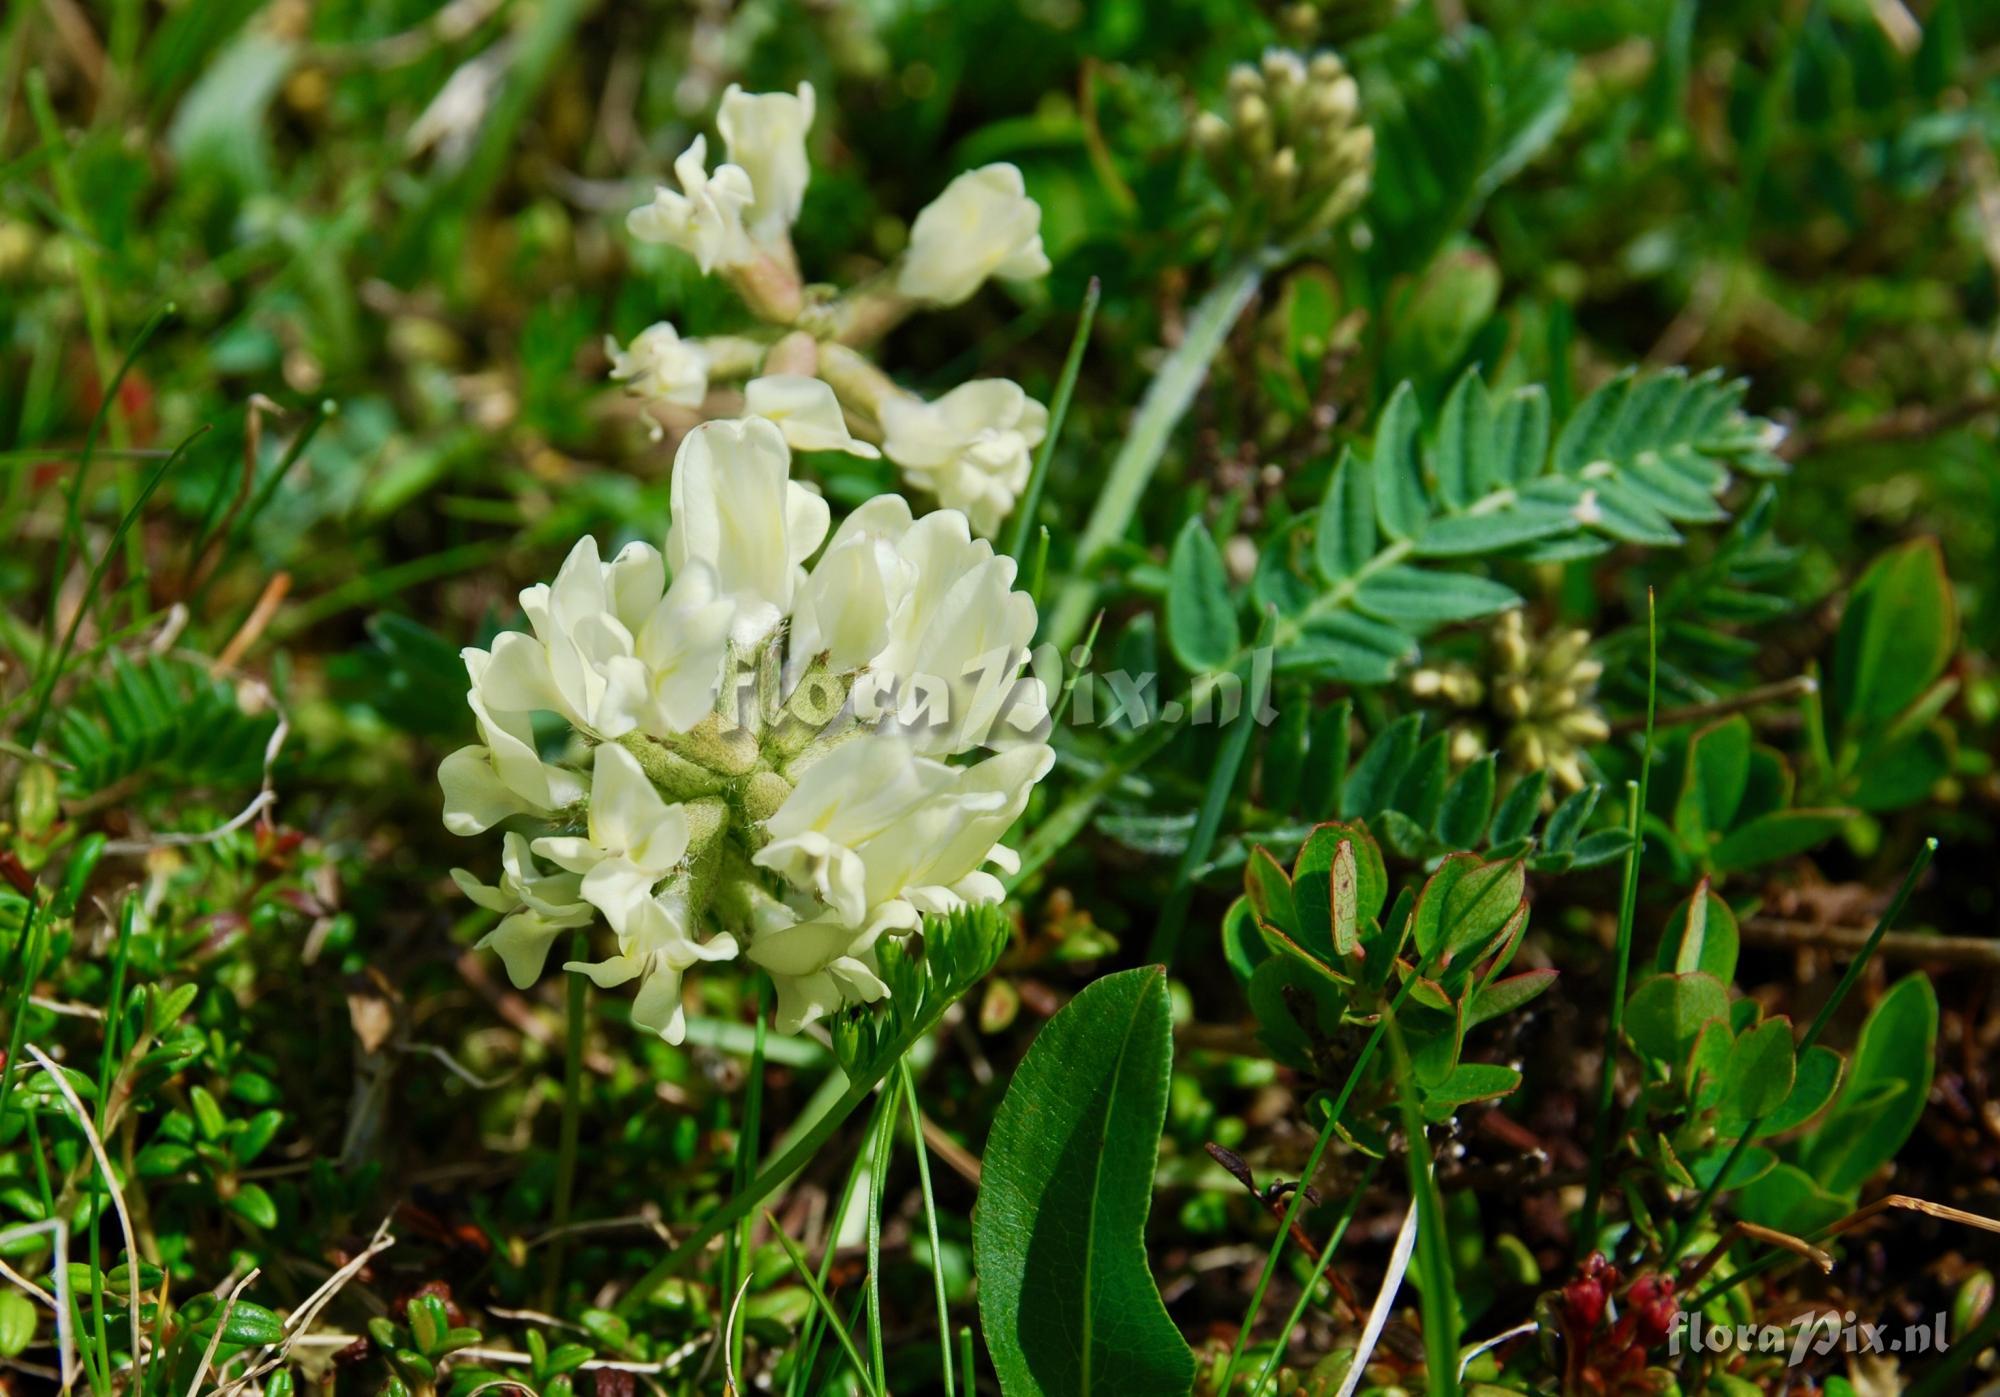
[764, 759]
[806, 368]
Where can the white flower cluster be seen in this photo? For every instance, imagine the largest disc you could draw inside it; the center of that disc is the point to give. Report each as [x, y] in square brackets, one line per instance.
[971, 448]
[765, 759]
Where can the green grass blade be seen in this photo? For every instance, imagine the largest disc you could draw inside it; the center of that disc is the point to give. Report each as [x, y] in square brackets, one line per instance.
[1030, 502]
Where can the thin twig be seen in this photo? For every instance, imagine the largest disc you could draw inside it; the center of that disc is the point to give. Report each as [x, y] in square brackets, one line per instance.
[1899, 945]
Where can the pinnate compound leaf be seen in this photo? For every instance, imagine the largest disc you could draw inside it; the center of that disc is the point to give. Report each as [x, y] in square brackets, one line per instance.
[1066, 1300]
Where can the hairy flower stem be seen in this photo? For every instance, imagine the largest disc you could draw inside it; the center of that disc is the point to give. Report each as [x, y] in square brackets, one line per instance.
[1167, 400]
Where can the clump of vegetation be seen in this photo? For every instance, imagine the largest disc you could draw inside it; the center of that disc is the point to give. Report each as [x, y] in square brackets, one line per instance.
[1195, 698]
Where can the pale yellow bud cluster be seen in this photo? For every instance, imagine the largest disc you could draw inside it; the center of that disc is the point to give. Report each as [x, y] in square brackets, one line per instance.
[1536, 693]
[1292, 140]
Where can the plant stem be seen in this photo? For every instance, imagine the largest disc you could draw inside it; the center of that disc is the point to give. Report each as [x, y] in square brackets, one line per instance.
[575, 1011]
[747, 1148]
[1166, 401]
[878, 1169]
[930, 1216]
[1628, 906]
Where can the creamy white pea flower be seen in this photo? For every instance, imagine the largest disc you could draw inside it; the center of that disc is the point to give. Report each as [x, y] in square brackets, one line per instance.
[844, 606]
[765, 134]
[957, 648]
[818, 964]
[614, 648]
[657, 947]
[880, 835]
[503, 774]
[704, 219]
[984, 224]
[535, 908]
[660, 366]
[806, 411]
[633, 840]
[973, 448]
[738, 511]
[929, 616]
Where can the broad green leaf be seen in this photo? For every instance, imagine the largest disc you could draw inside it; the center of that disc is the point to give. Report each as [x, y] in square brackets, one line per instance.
[1701, 934]
[1325, 774]
[1505, 995]
[1469, 1082]
[1344, 538]
[1789, 1200]
[1779, 836]
[1817, 1074]
[1282, 989]
[1201, 618]
[17, 1323]
[1066, 1299]
[1419, 599]
[1315, 879]
[1896, 636]
[1666, 1013]
[1243, 945]
[1270, 891]
[1761, 1066]
[1465, 903]
[1753, 1164]
[1401, 505]
[1712, 783]
[1887, 1085]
